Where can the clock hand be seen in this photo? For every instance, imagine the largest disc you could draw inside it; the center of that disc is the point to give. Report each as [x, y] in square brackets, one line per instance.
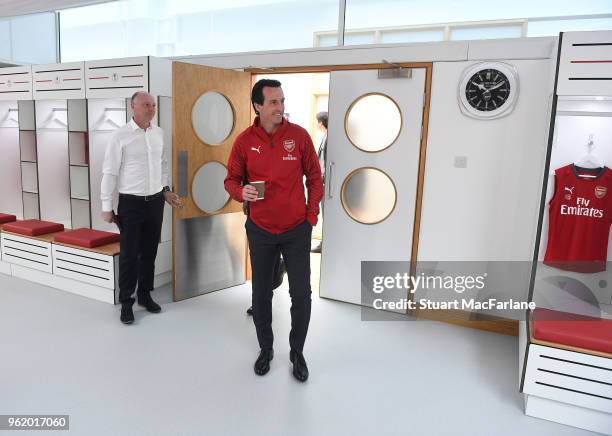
[497, 86]
[479, 85]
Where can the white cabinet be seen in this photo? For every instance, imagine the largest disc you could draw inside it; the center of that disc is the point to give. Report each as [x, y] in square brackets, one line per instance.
[84, 265]
[16, 83]
[59, 81]
[29, 252]
[584, 64]
[116, 77]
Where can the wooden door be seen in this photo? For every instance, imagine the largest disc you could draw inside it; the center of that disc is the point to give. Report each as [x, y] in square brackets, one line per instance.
[211, 106]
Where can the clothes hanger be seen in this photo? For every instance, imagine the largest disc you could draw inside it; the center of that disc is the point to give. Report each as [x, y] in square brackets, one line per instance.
[9, 116]
[54, 118]
[589, 160]
[105, 118]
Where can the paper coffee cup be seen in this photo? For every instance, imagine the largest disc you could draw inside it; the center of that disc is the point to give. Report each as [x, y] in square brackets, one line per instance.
[261, 187]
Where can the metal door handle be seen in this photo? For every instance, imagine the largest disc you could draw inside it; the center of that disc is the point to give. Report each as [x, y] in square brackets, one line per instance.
[183, 165]
[329, 180]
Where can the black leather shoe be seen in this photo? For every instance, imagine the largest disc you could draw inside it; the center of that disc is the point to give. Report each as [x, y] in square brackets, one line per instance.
[250, 311]
[127, 315]
[300, 369]
[148, 303]
[262, 364]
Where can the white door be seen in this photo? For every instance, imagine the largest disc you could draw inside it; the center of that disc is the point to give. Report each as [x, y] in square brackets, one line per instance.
[372, 166]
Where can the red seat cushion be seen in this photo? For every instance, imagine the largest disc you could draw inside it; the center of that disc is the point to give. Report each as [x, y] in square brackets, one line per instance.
[4, 218]
[33, 227]
[87, 238]
[564, 328]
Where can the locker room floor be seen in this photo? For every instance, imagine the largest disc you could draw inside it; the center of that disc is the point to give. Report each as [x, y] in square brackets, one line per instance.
[188, 370]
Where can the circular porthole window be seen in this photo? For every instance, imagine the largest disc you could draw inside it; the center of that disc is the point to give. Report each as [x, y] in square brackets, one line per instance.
[368, 195]
[212, 118]
[373, 122]
[207, 189]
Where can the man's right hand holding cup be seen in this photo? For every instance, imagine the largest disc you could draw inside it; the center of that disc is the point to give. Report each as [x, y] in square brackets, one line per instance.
[249, 193]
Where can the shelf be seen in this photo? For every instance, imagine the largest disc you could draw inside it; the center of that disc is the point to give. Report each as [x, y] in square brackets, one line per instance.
[29, 161]
[27, 144]
[80, 198]
[31, 192]
[80, 165]
[583, 114]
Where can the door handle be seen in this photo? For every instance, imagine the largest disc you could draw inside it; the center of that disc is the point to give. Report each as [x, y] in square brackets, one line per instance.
[183, 165]
[329, 180]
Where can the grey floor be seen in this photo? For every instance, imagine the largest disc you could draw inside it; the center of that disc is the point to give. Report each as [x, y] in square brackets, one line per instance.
[188, 370]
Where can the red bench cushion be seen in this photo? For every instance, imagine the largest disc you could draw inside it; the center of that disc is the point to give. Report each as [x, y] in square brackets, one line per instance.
[33, 227]
[573, 330]
[87, 238]
[4, 218]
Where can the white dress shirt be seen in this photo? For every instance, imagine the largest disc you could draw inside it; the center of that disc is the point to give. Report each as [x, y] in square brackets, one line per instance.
[135, 163]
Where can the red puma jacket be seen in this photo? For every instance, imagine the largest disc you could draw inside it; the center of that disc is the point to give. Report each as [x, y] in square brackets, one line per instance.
[281, 160]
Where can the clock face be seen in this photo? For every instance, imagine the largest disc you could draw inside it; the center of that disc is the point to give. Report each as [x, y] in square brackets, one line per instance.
[487, 90]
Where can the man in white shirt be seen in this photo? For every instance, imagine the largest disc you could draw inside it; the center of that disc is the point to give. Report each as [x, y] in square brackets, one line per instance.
[135, 164]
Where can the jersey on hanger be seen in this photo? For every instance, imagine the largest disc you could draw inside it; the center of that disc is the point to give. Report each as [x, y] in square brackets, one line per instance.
[580, 215]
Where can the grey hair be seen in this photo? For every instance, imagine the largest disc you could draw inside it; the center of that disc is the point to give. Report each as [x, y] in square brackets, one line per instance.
[137, 93]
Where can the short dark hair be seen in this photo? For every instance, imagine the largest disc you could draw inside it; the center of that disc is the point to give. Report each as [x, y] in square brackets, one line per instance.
[257, 91]
[323, 117]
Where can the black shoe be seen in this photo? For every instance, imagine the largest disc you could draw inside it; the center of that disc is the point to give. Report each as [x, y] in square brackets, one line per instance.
[318, 248]
[148, 303]
[250, 311]
[262, 364]
[300, 369]
[127, 315]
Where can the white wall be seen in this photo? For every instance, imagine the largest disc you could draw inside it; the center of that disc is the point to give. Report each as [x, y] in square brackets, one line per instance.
[514, 48]
[489, 210]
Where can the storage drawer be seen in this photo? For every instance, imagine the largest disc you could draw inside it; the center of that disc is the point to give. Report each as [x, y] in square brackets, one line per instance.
[116, 77]
[570, 377]
[85, 266]
[584, 67]
[16, 83]
[27, 252]
[59, 81]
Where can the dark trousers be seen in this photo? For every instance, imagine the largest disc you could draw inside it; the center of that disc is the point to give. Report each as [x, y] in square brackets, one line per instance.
[295, 248]
[141, 223]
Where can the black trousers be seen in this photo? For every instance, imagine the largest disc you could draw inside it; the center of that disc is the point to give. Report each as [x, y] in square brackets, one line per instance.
[295, 248]
[141, 223]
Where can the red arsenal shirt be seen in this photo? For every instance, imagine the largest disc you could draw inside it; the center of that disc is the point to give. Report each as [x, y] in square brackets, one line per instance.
[580, 215]
[281, 161]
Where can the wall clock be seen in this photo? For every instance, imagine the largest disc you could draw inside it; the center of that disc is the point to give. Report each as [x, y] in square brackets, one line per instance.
[488, 90]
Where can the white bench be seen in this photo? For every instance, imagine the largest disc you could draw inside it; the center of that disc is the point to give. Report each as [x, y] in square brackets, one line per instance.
[569, 384]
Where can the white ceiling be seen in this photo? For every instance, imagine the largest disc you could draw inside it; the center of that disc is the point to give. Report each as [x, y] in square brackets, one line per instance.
[20, 7]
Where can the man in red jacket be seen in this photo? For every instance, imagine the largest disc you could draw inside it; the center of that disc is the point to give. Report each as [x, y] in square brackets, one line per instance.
[280, 154]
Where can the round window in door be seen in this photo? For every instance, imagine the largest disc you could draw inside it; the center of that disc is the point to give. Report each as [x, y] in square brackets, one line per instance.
[373, 122]
[368, 195]
[212, 118]
[207, 189]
